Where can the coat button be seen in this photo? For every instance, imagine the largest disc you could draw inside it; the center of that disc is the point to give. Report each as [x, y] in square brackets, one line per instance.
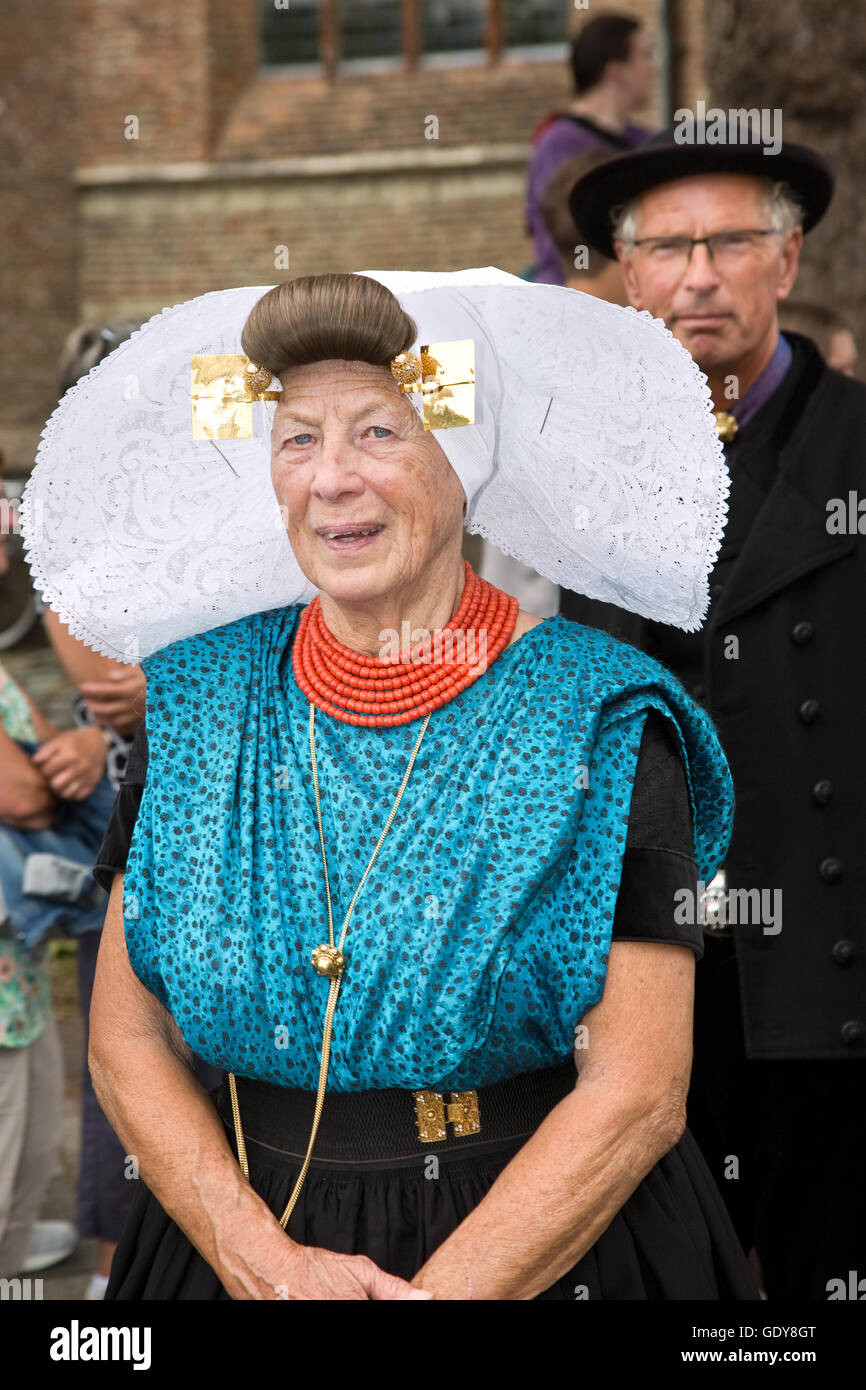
[843, 951]
[822, 791]
[830, 870]
[809, 711]
[801, 633]
[853, 1032]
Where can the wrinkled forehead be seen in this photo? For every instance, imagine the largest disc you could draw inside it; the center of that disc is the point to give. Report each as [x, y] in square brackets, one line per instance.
[337, 379]
[339, 389]
[701, 197]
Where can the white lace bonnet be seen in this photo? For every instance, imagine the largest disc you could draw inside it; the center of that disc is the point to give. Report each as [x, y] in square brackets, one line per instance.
[593, 459]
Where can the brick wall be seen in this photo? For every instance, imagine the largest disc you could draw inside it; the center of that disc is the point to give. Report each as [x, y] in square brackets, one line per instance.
[232, 161]
[148, 62]
[38, 226]
[148, 246]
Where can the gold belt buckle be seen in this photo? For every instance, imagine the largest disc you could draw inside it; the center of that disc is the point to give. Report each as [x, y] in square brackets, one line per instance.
[432, 1115]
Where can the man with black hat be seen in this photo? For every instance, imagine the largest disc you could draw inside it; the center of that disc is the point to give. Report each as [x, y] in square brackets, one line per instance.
[708, 236]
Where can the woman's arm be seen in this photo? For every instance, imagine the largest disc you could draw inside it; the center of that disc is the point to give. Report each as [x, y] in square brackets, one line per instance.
[26, 800]
[143, 1079]
[114, 691]
[563, 1188]
[42, 727]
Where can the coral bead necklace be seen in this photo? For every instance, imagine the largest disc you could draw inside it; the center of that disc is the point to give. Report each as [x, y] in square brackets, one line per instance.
[379, 691]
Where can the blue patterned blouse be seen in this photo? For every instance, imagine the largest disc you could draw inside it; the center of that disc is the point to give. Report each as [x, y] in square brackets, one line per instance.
[481, 935]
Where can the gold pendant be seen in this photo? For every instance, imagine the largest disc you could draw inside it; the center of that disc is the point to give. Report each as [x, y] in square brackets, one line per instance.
[329, 961]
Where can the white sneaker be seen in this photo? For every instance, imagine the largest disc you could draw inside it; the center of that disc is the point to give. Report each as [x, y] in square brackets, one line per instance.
[50, 1242]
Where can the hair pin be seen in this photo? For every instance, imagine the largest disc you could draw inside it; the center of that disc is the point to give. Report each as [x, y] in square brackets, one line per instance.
[224, 388]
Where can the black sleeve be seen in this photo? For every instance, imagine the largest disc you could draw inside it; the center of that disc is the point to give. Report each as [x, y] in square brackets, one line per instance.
[111, 858]
[659, 853]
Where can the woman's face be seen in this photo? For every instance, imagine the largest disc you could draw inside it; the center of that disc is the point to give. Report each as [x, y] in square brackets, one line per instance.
[349, 453]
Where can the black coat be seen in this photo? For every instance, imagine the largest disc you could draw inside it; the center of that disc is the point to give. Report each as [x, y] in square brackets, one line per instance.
[790, 707]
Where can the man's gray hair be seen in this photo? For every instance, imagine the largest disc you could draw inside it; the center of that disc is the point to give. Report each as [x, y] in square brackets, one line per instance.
[780, 206]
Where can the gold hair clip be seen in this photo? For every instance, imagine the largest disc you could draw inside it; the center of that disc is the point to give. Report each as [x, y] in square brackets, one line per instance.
[224, 387]
[440, 382]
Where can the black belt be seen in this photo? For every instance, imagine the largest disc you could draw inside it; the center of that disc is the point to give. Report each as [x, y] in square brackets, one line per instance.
[369, 1126]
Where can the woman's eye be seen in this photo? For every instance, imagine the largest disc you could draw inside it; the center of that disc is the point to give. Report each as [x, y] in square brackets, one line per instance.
[300, 438]
[381, 431]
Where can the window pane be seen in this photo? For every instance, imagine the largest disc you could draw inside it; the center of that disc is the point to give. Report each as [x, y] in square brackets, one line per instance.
[370, 29]
[534, 21]
[452, 25]
[290, 35]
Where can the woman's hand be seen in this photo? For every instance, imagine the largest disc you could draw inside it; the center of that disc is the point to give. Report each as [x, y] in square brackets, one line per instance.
[562, 1189]
[119, 700]
[142, 1074]
[275, 1267]
[73, 762]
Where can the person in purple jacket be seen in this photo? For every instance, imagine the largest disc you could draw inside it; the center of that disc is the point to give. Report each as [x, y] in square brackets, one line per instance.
[612, 63]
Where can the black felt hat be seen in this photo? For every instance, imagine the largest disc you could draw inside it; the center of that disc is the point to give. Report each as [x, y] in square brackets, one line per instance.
[664, 157]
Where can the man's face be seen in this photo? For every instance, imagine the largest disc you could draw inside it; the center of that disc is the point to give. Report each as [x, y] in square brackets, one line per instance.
[720, 312]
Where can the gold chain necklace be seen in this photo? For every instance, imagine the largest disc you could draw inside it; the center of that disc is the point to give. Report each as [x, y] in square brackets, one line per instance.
[328, 960]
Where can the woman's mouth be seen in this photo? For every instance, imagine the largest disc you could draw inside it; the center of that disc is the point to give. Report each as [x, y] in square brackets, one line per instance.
[350, 537]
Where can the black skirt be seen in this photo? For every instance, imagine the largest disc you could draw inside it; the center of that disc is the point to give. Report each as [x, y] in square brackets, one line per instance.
[673, 1239]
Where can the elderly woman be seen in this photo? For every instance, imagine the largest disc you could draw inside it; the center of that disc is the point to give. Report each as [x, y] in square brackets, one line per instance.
[406, 860]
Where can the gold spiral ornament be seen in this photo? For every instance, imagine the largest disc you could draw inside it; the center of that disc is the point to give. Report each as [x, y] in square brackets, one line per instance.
[406, 368]
[257, 378]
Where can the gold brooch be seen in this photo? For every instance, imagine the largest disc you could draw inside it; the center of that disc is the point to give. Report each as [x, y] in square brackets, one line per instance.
[726, 425]
[223, 388]
[440, 382]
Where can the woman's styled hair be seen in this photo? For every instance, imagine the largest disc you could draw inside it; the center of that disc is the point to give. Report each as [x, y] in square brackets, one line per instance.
[317, 318]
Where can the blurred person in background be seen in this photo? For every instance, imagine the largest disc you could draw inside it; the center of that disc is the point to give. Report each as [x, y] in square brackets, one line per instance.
[110, 696]
[583, 267]
[54, 807]
[613, 71]
[829, 330]
[710, 244]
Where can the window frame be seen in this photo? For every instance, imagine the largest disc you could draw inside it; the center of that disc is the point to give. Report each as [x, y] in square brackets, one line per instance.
[412, 57]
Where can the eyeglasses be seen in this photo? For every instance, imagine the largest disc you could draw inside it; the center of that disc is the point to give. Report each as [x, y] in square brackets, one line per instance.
[723, 248]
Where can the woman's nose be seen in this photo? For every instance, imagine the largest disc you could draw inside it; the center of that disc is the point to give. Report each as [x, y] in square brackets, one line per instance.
[335, 472]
